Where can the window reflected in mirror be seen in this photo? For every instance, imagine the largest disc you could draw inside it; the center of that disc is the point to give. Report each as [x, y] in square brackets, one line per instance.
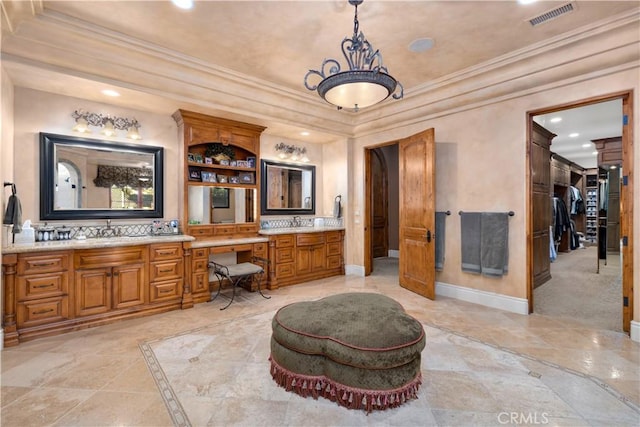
[221, 205]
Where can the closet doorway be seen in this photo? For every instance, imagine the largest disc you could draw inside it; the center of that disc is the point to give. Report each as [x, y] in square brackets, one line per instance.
[581, 270]
[415, 209]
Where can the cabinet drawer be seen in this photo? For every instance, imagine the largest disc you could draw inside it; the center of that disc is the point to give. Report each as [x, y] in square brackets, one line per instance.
[43, 285]
[284, 241]
[284, 270]
[168, 251]
[200, 265]
[334, 236]
[95, 258]
[247, 228]
[334, 261]
[165, 290]
[284, 255]
[163, 270]
[230, 248]
[260, 249]
[225, 230]
[201, 253]
[43, 263]
[199, 282]
[334, 249]
[200, 231]
[309, 239]
[38, 312]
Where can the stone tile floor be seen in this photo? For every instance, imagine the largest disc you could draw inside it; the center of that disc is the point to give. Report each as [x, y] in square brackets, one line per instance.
[204, 366]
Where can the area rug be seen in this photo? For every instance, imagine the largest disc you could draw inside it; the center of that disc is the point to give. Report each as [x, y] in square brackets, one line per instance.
[218, 375]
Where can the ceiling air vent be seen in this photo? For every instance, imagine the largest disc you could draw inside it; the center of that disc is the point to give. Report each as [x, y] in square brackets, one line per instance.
[552, 14]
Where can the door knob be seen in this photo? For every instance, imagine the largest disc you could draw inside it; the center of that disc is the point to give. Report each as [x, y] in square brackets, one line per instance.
[428, 236]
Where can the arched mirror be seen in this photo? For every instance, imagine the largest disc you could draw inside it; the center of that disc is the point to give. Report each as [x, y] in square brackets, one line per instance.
[91, 179]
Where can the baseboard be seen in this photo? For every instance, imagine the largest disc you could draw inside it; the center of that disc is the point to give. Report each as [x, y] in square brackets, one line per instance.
[394, 253]
[488, 299]
[635, 331]
[354, 270]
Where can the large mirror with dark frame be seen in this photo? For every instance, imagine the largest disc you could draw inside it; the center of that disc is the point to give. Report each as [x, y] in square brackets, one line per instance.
[287, 188]
[84, 178]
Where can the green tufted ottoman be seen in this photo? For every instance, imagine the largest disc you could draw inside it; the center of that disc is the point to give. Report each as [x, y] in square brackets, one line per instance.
[360, 350]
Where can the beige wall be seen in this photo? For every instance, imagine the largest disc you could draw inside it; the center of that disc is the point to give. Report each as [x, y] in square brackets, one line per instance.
[37, 111]
[481, 165]
[6, 133]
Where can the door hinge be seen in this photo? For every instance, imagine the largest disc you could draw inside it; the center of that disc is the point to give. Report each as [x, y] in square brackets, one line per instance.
[625, 241]
[625, 180]
[625, 301]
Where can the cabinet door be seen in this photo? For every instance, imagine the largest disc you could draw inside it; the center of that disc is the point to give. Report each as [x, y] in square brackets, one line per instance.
[310, 259]
[128, 285]
[93, 291]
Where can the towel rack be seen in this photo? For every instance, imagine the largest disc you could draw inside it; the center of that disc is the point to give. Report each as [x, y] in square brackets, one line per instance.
[510, 213]
[12, 185]
[446, 213]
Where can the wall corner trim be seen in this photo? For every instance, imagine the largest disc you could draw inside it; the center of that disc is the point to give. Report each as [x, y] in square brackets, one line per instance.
[635, 331]
[488, 299]
[354, 270]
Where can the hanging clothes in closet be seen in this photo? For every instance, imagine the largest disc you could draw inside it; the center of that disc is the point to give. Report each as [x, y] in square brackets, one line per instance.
[561, 219]
[576, 200]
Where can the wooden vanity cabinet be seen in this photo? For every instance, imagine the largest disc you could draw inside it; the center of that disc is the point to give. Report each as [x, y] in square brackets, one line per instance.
[197, 133]
[297, 258]
[109, 279]
[166, 272]
[42, 285]
[200, 275]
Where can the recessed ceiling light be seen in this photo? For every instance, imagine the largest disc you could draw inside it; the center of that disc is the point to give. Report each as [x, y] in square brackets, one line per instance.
[304, 133]
[574, 135]
[587, 145]
[526, 1]
[183, 4]
[110, 92]
[556, 120]
[612, 167]
[421, 45]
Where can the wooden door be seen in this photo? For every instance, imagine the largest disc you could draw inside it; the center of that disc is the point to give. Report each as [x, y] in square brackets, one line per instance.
[417, 213]
[379, 205]
[626, 212]
[542, 211]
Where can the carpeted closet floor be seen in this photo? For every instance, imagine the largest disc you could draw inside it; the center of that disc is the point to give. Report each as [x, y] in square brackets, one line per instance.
[578, 292]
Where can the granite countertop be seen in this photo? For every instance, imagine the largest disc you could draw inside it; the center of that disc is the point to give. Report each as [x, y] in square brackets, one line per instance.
[294, 230]
[96, 243]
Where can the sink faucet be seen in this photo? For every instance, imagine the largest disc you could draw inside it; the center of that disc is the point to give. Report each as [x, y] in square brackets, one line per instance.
[296, 221]
[109, 231]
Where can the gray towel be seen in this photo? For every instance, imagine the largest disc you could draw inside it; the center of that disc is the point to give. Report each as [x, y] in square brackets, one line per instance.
[470, 241]
[441, 218]
[13, 215]
[494, 245]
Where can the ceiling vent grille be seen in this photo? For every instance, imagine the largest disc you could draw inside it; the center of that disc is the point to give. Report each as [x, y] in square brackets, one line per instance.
[552, 14]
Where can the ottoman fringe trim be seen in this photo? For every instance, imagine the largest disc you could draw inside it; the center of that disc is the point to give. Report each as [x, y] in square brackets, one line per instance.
[349, 397]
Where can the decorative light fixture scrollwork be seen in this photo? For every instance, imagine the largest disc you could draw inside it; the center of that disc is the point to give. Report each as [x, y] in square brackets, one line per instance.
[292, 152]
[367, 82]
[108, 123]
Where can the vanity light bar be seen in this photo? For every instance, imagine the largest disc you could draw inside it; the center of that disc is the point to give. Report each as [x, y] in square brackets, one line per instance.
[109, 123]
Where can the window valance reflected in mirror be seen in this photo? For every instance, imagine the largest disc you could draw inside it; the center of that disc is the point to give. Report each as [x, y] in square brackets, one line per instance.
[287, 188]
[90, 179]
